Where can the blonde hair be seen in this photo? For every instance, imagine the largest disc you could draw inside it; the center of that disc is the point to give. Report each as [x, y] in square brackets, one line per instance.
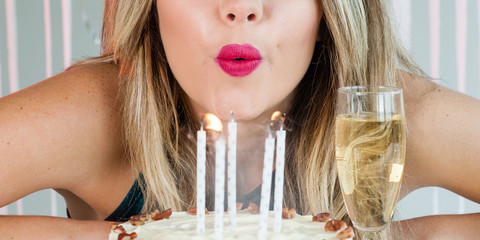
[357, 46]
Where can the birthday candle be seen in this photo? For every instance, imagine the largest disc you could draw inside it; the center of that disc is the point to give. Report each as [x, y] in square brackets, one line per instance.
[201, 157]
[266, 186]
[232, 169]
[219, 186]
[279, 175]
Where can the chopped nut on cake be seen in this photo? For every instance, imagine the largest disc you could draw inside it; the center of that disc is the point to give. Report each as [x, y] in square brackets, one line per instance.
[334, 225]
[127, 236]
[288, 213]
[347, 233]
[239, 206]
[138, 220]
[321, 217]
[155, 216]
[193, 211]
[113, 225]
[119, 229]
[253, 208]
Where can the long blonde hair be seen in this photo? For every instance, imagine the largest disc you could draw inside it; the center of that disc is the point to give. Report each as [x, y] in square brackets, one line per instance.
[357, 46]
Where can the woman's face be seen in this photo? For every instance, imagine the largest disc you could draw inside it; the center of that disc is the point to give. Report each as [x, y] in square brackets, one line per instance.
[240, 55]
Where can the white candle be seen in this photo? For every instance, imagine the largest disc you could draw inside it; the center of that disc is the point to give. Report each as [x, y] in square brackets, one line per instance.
[201, 158]
[266, 186]
[279, 175]
[232, 170]
[219, 186]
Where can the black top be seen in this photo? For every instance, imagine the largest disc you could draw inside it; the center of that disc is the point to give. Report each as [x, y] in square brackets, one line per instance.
[132, 204]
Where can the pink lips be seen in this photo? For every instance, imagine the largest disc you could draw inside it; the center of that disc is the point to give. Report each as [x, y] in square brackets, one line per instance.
[239, 60]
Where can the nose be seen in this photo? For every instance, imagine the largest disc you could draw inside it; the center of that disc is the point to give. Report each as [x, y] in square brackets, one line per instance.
[241, 11]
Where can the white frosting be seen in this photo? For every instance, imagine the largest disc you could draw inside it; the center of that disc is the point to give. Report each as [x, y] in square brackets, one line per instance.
[181, 225]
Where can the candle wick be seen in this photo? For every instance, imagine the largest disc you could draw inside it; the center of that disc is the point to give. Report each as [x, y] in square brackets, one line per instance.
[270, 130]
[201, 124]
[283, 121]
[232, 116]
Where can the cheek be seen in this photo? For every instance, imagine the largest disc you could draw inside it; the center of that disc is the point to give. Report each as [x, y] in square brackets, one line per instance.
[178, 19]
[295, 48]
[181, 31]
[176, 33]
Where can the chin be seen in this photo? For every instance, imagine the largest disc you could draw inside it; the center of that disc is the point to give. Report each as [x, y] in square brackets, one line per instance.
[241, 113]
[246, 105]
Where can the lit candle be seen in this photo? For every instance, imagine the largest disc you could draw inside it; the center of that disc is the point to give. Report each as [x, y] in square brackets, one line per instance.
[201, 158]
[214, 123]
[266, 185]
[279, 175]
[232, 169]
[219, 186]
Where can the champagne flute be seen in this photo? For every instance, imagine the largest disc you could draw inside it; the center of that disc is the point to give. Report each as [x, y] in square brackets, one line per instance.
[370, 142]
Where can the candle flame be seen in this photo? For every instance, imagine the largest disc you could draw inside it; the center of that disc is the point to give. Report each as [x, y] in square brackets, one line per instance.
[212, 122]
[277, 119]
[279, 115]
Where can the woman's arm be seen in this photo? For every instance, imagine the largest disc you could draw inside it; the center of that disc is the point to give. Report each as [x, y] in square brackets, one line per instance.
[65, 133]
[43, 227]
[443, 139]
[438, 227]
[443, 149]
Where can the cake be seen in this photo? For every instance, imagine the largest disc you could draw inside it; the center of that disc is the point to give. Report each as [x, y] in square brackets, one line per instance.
[169, 225]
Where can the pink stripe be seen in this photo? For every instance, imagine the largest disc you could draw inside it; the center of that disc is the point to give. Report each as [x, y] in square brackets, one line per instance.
[434, 38]
[48, 38]
[12, 51]
[403, 15]
[461, 38]
[67, 32]
[53, 203]
[19, 207]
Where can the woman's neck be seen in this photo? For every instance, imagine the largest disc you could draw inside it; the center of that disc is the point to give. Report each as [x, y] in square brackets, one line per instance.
[251, 135]
[250, 152]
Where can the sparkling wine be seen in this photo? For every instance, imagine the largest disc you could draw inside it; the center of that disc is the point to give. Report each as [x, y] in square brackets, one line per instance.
[370, 157]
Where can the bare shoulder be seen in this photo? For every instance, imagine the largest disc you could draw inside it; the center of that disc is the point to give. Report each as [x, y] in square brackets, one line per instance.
[442, 138]
[95, 80]
[69, 101]
[80, 84]
[64, 133]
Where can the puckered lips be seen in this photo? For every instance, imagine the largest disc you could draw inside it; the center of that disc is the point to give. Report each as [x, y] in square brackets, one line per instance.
[239, 60]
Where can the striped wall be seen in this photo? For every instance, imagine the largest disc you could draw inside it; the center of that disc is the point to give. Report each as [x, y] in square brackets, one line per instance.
[41, 38]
